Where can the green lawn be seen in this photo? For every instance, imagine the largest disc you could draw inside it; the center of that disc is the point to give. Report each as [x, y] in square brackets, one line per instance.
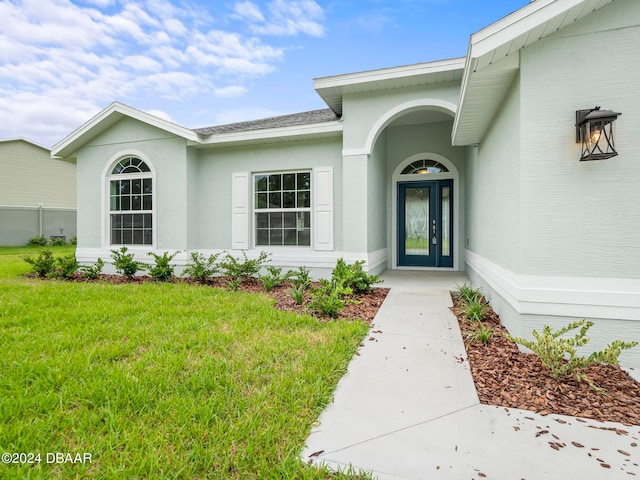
[160, 380]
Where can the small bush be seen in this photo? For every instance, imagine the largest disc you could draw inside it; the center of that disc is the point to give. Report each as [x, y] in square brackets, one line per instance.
[73, 240]
[353, 276]
[326, 301]
[239, 270]
[162, 270]
[124, 262]
[40, 241]
[200, 268]
[273, 279]
[300, 278]
[57, 242]
[66, 266]
[44, 264]
[559, 354]
[92, 272]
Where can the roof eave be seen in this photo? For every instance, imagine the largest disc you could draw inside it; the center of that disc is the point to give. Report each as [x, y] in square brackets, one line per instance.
[107, 118]
[298, 132]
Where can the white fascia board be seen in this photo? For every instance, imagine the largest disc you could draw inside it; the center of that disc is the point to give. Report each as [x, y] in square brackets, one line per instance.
[316, 129]
[350, 79]
[107, 117]
[519, 22]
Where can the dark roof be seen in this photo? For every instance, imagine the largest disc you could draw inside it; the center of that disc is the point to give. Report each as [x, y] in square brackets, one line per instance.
[303, 118]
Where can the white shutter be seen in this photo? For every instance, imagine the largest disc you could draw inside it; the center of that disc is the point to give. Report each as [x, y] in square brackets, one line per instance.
[240, 211]
[323, 208]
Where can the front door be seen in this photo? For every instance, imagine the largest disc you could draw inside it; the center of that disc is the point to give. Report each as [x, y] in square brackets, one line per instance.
[425, 224]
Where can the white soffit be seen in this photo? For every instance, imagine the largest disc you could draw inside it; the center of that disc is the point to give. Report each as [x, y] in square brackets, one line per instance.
[493, 59]
[106, 119]
[332, 89]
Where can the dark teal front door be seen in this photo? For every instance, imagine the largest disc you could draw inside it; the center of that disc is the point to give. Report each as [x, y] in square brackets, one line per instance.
[425, 224]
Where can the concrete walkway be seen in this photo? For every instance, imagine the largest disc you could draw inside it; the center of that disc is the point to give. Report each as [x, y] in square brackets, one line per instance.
[408, 408]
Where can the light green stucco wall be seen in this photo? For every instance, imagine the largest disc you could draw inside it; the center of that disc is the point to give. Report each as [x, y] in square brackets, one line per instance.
[377, 183]
[362, 111]
[493, 214]
[167, 155]
[216, 167]
[582, 218]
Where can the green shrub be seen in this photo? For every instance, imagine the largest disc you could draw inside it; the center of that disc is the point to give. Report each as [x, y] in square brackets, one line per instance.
[40, 241]
[124, 262]
[559, 354]
[353, 276]
[57, 242]
[73, 240]
[92, 272]
[300, 278]
[66, 266]
[274, 278]
[162, 270]
[240, 270]
[200, 267]
[44, 264]
[326, 301]
[482, 333]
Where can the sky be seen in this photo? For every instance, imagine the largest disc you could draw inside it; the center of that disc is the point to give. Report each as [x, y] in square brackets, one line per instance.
[201, 63]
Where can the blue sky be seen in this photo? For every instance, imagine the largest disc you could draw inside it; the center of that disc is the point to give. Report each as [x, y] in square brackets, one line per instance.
[200, 63]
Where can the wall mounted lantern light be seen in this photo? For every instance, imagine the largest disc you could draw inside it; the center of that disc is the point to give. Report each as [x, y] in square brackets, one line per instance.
[594, 130]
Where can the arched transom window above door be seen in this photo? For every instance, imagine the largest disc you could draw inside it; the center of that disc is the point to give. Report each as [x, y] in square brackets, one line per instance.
[424, 167]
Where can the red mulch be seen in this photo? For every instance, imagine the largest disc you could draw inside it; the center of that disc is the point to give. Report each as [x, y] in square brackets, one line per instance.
[506, 377]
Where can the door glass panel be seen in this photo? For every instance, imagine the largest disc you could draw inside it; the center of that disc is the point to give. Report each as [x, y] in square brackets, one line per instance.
[416, 235]
[446, 222]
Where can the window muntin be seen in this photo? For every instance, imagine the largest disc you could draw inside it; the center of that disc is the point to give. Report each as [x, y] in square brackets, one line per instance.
[424, 167]
[282, 208]
[131, 203]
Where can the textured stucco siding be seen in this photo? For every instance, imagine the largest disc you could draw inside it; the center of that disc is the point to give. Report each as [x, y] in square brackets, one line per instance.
[581, 218]
[167, 155]
[215, 173]
[30, 177]
[362, 111]
[493, 187]
[377, 197]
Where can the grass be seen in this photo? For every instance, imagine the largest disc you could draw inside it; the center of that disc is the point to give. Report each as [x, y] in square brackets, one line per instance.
[165, 381]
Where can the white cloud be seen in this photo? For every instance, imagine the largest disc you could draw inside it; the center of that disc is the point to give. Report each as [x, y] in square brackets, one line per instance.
[62, 61]
[248, 11]
[291, 17]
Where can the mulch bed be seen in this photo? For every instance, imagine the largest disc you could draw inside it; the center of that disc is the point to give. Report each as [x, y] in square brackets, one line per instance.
[506, 377]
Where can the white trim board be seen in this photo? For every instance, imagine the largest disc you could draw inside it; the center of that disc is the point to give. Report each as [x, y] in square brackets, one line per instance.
[588, 297]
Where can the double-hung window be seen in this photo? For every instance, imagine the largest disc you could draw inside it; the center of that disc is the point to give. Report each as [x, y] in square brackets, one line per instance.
[283, 208]
[131, 203]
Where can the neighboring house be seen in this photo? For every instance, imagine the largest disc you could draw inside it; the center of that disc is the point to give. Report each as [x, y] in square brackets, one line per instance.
[37, 194]
[468, 164]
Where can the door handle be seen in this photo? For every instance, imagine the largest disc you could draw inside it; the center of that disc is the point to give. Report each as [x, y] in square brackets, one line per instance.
[434, 237]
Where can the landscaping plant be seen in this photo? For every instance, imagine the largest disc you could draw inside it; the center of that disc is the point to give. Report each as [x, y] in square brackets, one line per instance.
[240, 270]
[298, 293]
[559, 354]
[40, 241]
[274, 278]
[300, 278]
[327, 299]
[66, 266]
[162, 270]
[353, 276]
[43, 264]
[481, 332]
[476, 310]
[124, 262]
[466, 294]
[200, 267]
[92, 272]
